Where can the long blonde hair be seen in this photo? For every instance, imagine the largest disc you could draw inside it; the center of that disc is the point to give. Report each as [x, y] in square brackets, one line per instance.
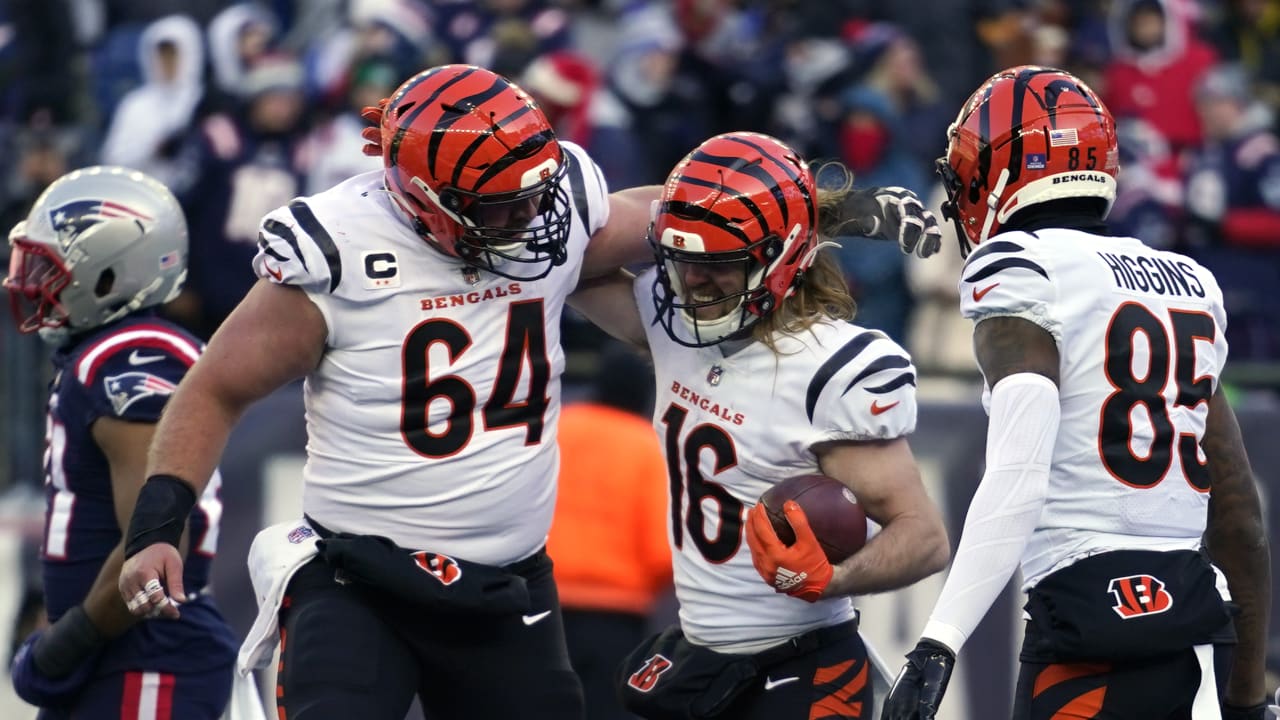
[822, 293]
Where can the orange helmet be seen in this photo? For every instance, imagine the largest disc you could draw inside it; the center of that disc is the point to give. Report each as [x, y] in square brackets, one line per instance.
[1028, 135]
[473, 160]
[737, 197]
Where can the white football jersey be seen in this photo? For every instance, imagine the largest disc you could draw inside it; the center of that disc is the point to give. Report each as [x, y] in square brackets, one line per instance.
[1140, 337]
[431, 418]
[734, 421]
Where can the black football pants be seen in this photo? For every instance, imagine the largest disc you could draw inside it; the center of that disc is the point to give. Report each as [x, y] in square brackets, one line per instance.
[350, 652]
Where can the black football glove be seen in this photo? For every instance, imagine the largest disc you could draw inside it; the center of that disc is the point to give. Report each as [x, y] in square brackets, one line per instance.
[1235, 712]
[896, 214]
[917, 691]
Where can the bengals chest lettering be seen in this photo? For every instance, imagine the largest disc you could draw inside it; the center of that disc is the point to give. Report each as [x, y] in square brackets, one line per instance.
[452, 300]
[704, 402]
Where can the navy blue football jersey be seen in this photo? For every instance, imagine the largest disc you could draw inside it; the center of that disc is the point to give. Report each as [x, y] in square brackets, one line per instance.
[127, 371]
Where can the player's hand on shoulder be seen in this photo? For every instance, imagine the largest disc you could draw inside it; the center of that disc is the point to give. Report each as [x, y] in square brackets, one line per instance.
[145, 576]
[800, 569]
[917, 691]
[896, 214]
[53, 664]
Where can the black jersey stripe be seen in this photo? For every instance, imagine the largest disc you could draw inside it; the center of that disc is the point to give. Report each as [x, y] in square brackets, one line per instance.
[308, 222]
[906, 378]
[838, 359]
[880, 364]
[279, 229]
[992, 247]
[1008, 263]
[578, 187]
[266, 247]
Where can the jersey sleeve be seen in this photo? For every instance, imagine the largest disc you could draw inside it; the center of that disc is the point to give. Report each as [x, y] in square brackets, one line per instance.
[866, 390]
[588, 191]
[1009, 276]
[1212, 357]
[295, 249]
[132, 378]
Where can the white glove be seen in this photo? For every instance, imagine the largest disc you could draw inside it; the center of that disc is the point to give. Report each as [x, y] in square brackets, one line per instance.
[895, 213]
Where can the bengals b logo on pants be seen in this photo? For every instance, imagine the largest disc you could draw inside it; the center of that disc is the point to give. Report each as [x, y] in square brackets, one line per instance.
[647, 676]
[1138, 595]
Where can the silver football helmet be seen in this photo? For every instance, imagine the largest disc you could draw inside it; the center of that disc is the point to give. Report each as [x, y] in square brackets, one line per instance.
[100, 243]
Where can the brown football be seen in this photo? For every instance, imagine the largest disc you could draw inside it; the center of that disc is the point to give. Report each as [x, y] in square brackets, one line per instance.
[833, 512]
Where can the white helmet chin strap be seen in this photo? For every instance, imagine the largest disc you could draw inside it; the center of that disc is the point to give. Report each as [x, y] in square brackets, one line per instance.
[993, 203]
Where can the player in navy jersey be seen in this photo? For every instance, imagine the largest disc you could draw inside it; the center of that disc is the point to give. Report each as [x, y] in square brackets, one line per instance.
[101, 248]
[1116, 479]
[761, 377]
[422, 304]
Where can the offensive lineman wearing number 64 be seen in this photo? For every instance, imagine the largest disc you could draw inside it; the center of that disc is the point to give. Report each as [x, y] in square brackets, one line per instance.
[1115, 470]
[422, 304]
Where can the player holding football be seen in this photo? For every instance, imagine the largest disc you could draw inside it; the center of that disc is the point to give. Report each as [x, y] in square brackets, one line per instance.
[422, 304]
[760, 377]
[1115, 470]
[101, 248]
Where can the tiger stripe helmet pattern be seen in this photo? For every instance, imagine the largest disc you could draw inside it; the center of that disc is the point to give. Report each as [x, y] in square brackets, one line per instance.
[474, 161]
[1028, 135]
[737, 197]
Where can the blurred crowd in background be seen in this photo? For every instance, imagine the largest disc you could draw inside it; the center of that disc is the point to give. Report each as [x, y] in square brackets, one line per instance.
[242, 106]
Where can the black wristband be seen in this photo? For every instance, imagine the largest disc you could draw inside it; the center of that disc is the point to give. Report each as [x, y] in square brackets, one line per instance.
[160, 515]
[67, 643]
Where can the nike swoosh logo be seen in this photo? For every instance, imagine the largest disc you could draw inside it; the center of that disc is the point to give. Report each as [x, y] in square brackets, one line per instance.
[877, 408]
[535, 619]
[136, 359]
[770, 683]
[979, 294]
[273, 272]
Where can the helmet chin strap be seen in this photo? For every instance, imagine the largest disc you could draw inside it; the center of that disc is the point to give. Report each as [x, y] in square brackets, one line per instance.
[993, 203]
[135, 303]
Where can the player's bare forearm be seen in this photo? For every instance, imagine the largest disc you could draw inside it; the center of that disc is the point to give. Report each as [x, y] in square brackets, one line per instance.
[608, 302]
[192, 432]
[910, 548]
[275, 335]
[1237, 543]
[1009, 345]
[912, 543]
[624, 239]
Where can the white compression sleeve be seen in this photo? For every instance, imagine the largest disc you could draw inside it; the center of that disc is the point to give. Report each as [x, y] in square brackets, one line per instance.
[1005, 508]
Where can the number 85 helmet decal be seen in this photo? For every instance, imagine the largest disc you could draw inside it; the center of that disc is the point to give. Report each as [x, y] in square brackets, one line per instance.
[1028, 135]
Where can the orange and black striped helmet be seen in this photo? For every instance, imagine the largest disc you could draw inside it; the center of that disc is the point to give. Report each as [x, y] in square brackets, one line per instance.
[738, 201]
[471, 157]
[1028, 135]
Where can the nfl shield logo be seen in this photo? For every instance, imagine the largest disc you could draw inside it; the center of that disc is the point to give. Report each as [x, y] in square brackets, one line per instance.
[713, 375]
[471, 275]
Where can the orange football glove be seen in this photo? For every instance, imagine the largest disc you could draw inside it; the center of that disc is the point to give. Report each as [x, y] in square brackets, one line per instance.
[373, 134]
[801, 569]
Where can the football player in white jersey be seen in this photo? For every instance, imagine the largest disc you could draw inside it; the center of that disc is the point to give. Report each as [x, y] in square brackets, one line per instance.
[422, 304]
[1115, 471]
[761, 377]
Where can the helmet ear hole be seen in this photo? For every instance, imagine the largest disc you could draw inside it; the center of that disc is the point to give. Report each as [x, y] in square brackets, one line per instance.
[106, 281]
